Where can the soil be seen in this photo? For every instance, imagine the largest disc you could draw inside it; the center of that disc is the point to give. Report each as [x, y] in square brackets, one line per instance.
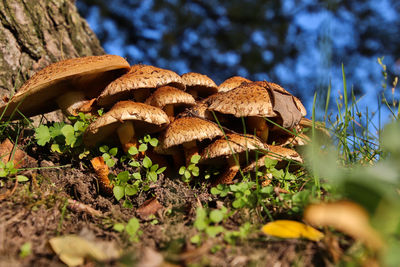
[38, 210]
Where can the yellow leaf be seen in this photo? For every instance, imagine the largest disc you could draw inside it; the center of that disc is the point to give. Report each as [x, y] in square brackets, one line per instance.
[73, 250]
[291, 229]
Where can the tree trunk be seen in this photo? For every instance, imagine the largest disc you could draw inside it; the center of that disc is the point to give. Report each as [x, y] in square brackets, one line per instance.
[36, 33]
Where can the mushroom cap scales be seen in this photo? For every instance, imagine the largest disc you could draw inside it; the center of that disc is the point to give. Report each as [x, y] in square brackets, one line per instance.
[147, 119]
[89, 74]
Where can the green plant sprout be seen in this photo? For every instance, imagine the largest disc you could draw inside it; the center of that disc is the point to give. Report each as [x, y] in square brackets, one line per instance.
[132, 229]
[192, 170]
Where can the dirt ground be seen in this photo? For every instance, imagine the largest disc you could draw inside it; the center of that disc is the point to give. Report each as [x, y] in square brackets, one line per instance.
[38, 210]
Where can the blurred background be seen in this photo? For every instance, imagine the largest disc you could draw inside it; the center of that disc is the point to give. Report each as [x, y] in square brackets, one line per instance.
[298, 44]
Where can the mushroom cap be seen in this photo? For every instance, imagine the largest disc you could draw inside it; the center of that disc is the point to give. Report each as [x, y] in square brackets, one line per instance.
[166, 95]
[187, 129]
[232, 144]
[203, 84]
[139, 77]
[91, 74]
[249, 99]
[147, 119]
[232, 83]
[279, 153]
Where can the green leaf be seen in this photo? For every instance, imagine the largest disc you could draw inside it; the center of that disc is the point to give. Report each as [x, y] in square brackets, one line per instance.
[123, 176]
[132, 226]
[147, 162]
[131, 190]
[25, 250]
[3, 172]
[137, 176]
[270, 163]
[127, 204]
[142, 147]
[133, 151]
[113, 151]
[196, 239]
[215, 191]
[110, 162]
[152, 176]
[79, 126]
[134, 163]
[195, 159]
[161, 170]
[154, 168]
[213, 231]
[69, 133]
[187, 174]
[182, 170]
[119, 227]
[42, 135]
[216, 216]
[103, 149]
[22, 178]
[119, 192]
[153, 142]
[195, 171]
[55, 130]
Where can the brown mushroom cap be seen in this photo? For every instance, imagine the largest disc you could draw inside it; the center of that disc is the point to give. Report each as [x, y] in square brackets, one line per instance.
[200, 83]
[147, 120]
[249, 99]
[188, 129]
[166, 95]
[232, 144]
[91, 74]
[279, 153]
[139, 77]
[232, 83]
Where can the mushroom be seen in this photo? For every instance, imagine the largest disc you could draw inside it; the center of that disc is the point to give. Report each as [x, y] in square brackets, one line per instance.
[169, 98]
[199, 85]
[248, 100]
[137, 83]
[66, 84]
[230, 149]
[186, 131]
[232, 83]
[282, 154]
[129, 119]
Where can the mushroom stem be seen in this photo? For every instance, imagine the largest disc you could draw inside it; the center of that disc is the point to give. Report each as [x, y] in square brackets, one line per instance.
[140, 95]
[190, 149]
[230, 172]
[194, 93]
[260, 125]
[169, 110]
[70, 102]
[126, 135]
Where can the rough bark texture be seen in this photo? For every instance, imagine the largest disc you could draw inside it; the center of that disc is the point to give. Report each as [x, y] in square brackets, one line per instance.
[35, 33]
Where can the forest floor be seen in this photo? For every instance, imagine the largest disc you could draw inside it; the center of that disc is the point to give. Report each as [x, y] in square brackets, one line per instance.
[42, 209]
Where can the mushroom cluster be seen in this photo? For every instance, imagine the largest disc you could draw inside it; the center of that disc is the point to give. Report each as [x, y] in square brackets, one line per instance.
[228, 125]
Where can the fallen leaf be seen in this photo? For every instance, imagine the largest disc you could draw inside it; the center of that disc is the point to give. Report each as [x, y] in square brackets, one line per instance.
[73, 250]
[291, 229]
[102, 171]
[19, 158]
[149, 207]
[286, 107]
[347, 217]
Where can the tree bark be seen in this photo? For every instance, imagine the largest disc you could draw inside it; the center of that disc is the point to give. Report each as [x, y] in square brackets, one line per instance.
[36, 33]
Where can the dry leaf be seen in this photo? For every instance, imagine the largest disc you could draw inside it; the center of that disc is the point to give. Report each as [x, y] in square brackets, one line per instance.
[286, 107]
[20, 158]
[102, 171]
[73, 250]
[149, 207]
[347, 217]
[291, 229]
